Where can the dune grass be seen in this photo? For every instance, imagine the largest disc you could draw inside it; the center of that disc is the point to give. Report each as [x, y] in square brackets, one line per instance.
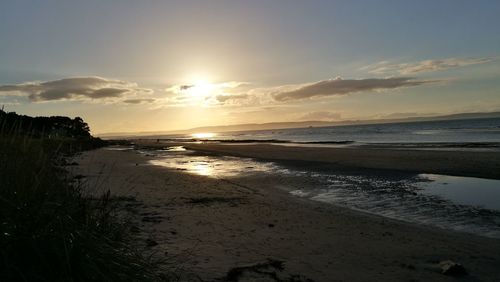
[49, 230]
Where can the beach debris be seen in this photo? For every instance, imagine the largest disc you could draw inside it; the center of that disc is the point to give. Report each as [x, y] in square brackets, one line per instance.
[451, 268]
[270, 270]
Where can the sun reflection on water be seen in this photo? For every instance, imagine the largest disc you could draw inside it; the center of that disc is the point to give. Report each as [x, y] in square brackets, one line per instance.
[203, 135]
[212, 166]
[201, 168]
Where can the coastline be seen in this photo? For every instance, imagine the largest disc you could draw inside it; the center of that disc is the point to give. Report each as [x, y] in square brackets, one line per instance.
[449, 162]
[213, 225]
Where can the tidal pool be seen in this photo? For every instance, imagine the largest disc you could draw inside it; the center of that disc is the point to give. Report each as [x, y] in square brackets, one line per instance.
[478, 192]
[211, 166]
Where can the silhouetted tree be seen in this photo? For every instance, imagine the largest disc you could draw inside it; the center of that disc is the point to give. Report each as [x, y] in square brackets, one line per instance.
[51, 127]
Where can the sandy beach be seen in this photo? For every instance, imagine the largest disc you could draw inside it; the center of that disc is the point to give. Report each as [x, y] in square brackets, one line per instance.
[245, 228]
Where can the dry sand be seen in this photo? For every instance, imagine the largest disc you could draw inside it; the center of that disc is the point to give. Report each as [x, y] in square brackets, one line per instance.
[208, 226]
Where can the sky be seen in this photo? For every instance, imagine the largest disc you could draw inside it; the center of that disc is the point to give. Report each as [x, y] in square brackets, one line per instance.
[135, 66]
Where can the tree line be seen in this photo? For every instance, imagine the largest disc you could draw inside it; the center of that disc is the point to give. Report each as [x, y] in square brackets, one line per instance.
[43, 127]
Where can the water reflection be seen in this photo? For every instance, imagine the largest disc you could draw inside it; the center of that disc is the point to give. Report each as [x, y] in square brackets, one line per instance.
[174, 149]
[212, 166]
[484, 193]
[201, 168]
[203, 135]
[457, 203]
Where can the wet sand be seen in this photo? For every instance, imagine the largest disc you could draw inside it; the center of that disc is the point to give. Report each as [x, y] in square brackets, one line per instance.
[457, 163]
[207, 226]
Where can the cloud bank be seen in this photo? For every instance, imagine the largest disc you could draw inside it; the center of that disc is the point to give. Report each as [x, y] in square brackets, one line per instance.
[339, 86]
[232, 94]
[76, 88]
[424, 66]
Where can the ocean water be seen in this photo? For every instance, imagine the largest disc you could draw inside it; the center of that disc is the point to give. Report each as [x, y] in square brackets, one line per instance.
[486, 130]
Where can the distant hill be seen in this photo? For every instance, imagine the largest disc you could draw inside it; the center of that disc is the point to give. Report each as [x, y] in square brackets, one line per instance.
[300, 124]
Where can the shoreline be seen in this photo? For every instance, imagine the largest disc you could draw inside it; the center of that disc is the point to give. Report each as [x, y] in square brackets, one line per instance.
[453, 162]
[228, 223]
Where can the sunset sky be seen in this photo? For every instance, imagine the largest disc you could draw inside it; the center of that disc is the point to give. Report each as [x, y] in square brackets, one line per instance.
[127, 66]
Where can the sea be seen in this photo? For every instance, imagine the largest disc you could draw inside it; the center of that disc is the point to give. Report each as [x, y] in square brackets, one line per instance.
[481, 132]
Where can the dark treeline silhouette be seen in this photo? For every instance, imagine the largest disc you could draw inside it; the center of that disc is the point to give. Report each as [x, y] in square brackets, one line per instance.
[43, 127]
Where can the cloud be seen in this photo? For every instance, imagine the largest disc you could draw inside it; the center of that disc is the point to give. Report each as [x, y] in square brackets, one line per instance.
[385, 67]
[323, 116]
[185, 87]
[76, 88]
[206, 93]
[139, 101]
[339, 86]
[225, 98]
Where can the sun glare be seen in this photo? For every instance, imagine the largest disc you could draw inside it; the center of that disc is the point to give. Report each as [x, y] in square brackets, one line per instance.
[201, 89]
[203, 135]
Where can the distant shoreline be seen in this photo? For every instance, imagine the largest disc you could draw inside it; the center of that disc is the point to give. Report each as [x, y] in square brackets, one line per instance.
[296, 125]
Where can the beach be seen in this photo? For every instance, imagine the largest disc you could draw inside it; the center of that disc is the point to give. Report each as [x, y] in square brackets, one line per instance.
[452, 162]
[213, 228]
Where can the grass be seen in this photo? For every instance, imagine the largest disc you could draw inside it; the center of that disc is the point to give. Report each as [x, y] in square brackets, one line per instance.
[49, 230]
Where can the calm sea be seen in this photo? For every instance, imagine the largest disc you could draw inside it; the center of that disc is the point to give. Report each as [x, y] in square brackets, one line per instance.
[446, 131]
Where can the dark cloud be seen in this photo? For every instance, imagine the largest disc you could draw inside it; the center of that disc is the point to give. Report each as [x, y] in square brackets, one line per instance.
[139, 101]
[186, 87]
[339, 86]
[75, 88]
[225, 98]
[109, 92]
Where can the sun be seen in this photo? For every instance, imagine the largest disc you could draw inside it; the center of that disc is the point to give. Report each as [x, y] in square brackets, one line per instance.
[201, 89]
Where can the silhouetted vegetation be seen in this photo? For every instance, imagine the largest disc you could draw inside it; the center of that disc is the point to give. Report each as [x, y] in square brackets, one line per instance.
[50, 230]
[44, 127]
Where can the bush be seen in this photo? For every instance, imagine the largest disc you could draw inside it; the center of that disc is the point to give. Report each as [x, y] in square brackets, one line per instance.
[49, 231]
